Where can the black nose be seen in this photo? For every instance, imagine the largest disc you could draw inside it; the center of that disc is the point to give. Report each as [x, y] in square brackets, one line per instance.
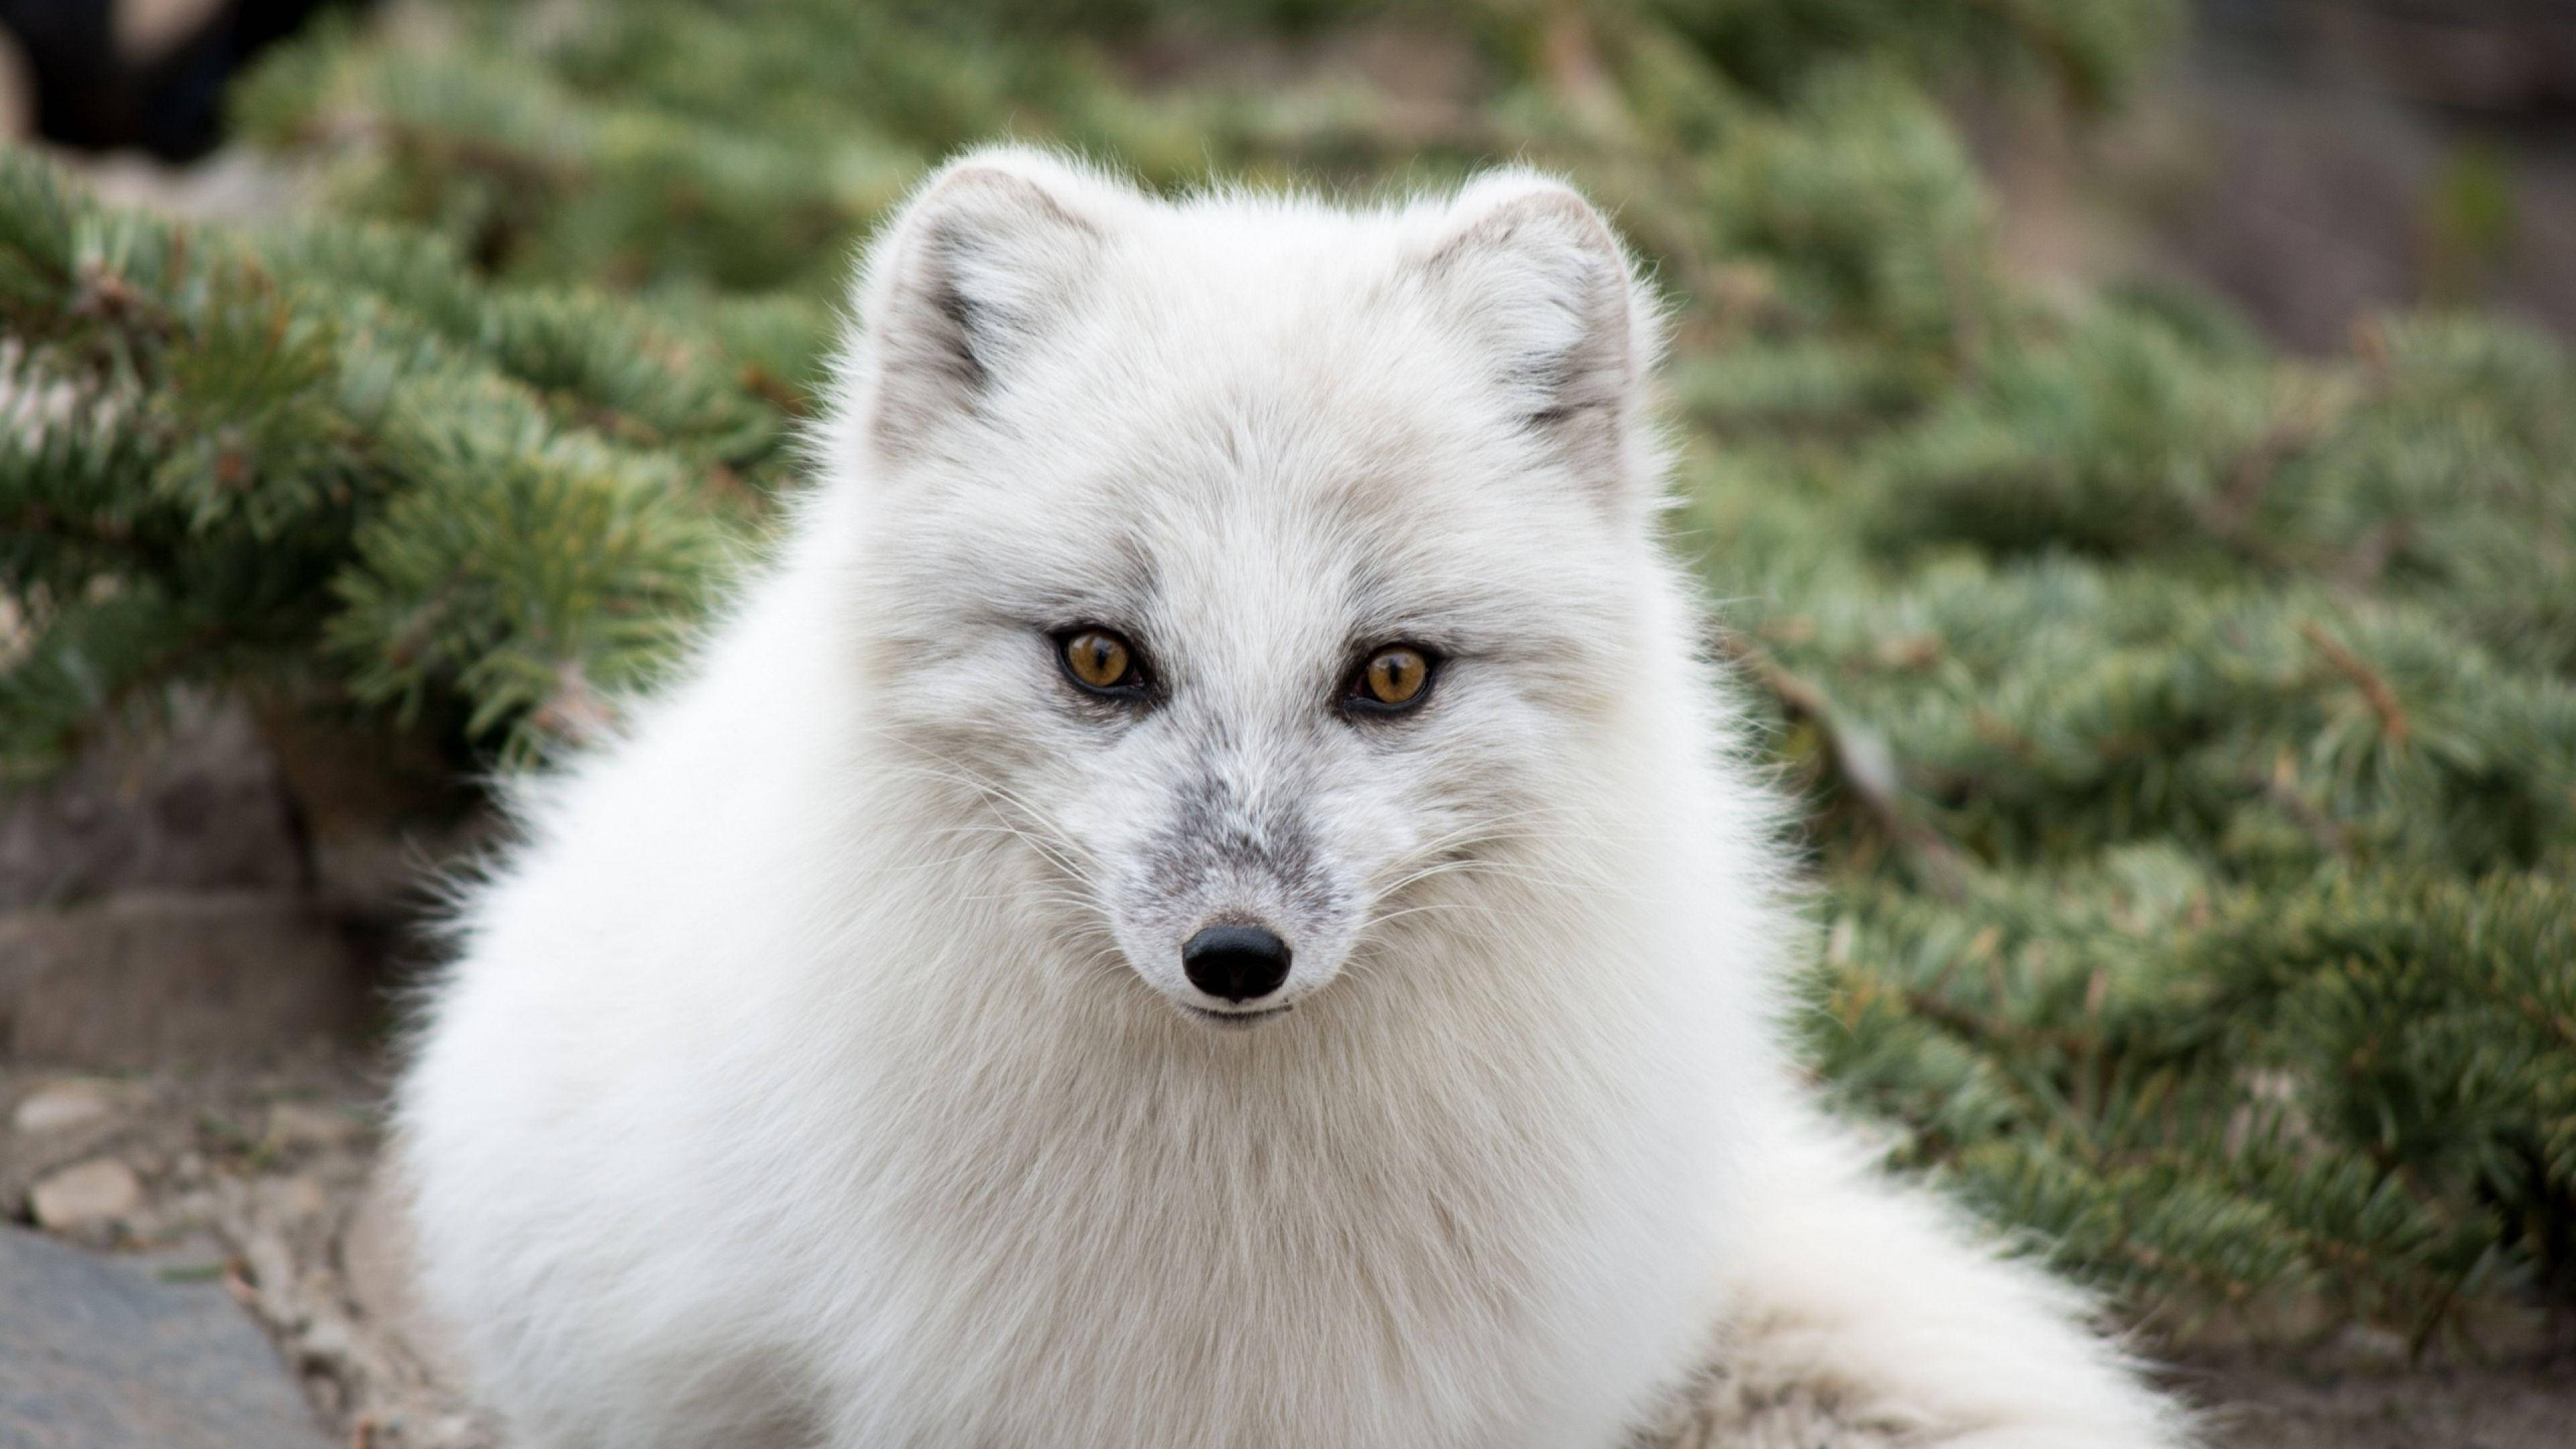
[1235, 962]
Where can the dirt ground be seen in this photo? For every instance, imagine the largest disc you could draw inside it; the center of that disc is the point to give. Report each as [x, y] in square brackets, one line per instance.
[263, 1178]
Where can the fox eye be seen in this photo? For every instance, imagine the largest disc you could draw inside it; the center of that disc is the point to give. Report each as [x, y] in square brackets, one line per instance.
[1394, 678]
[1100, 661]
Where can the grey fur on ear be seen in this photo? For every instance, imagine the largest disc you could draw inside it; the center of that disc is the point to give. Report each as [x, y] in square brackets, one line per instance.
[966, 280]
[1534, 270]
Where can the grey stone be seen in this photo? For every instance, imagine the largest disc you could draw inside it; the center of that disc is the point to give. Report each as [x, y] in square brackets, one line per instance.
[156, 979]
[99, 1354]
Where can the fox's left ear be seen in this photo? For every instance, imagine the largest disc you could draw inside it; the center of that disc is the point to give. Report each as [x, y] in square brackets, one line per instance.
[1535, 276]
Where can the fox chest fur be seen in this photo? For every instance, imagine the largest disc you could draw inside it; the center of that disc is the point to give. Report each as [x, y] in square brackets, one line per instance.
[1140, 1241]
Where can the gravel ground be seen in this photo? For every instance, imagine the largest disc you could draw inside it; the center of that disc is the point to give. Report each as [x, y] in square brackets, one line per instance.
[257, 1178]
[263, 1179]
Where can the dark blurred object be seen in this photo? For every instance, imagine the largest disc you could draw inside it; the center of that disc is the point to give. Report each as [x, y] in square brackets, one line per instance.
[2498, 57]
[2323, 160]
[198, 803]
[2494, 58]
[142, 73]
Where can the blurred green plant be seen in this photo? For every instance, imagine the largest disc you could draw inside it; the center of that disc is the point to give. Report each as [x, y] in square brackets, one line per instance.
[2469, 225]
[2186, 736]
[2090, 50]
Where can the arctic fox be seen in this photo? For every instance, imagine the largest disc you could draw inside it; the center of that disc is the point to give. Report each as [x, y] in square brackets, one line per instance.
[1203, 900]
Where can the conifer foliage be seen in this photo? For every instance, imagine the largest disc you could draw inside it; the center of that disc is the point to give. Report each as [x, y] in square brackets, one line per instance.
[2186, 734]
[331, 456]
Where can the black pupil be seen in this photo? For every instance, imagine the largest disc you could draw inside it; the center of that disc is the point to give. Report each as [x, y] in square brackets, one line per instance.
[1395, 675]
[1100, 655]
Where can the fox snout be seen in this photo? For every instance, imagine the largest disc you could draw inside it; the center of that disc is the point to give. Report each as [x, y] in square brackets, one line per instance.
[1231, 906]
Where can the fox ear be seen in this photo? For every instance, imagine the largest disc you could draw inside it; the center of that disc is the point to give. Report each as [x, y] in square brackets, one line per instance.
[965, 279]
[1535, 275]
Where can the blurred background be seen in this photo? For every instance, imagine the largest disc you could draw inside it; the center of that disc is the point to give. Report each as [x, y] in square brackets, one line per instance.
[2130, 446]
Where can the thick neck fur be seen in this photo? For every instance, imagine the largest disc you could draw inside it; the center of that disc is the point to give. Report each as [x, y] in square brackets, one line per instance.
[1517, 1081]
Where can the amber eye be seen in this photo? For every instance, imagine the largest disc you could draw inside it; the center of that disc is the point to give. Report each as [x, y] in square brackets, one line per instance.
[1393, 678]
[1099, 660]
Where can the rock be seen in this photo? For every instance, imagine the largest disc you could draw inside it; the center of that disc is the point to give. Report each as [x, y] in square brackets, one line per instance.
[293, 1202]
[87, 1196]
[71, 1102]
[197, 805]
[157, 979]
[97, 1354]
[294, 1126]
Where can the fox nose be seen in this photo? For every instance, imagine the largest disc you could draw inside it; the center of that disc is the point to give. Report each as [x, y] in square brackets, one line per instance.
[1238, 963]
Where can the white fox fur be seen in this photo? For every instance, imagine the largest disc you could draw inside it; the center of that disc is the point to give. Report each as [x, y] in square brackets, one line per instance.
[822, 1070]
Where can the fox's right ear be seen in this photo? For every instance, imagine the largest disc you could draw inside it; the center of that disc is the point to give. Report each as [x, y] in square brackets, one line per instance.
[1535, 277]
[964, 279]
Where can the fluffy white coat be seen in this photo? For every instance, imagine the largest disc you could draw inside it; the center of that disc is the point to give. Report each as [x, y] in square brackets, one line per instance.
[821, 1071]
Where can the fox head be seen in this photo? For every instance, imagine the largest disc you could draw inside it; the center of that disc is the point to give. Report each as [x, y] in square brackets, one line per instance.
[1256, 580]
